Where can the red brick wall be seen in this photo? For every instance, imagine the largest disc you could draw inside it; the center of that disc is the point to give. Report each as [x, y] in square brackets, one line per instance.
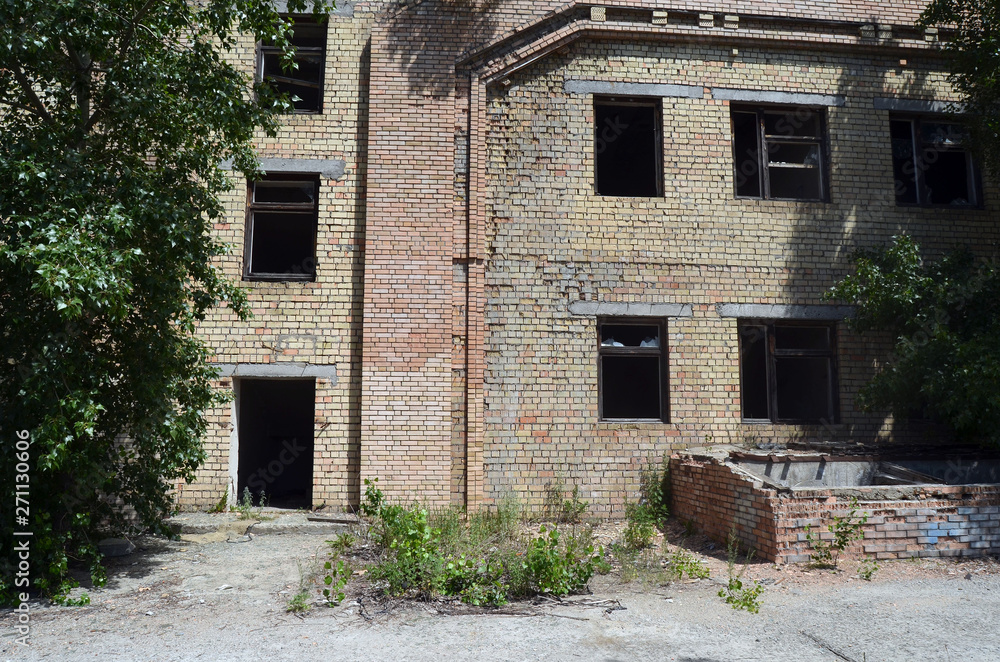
[934, 521]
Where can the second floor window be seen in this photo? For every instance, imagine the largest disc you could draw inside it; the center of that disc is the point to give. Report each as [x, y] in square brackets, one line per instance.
[281, 229]
[931, 164]
[302, 81]
[627, 142]
[779, 153]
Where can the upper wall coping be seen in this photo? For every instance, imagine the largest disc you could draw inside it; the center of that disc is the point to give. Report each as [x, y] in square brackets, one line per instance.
[577, 86]
[630, 309]
[782, 311]
[791, 98]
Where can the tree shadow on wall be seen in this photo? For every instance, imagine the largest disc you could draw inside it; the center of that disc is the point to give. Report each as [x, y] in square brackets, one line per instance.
[425, 38]
[860, 212]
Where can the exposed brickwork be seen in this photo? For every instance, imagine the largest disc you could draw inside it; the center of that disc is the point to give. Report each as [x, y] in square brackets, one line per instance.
[466, 223]
[935, 521]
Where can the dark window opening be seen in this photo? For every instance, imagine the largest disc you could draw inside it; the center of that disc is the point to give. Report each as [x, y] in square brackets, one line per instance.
[275, 419]
[302, 80]
[788, 372]
[632, 370]
[281, 229]
[627, 148]
[779, 154]
[931, 164]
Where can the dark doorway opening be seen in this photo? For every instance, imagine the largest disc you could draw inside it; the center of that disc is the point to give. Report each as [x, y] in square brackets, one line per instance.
[275, 418]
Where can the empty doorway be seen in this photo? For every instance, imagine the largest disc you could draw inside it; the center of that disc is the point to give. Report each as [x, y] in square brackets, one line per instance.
[275, 430]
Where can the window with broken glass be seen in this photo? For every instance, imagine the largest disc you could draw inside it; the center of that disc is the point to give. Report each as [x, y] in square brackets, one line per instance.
[632, 369]
[627, 141]
[281, 229]
[788, 371]
[779, 153]
[302, 79]
[931, 163]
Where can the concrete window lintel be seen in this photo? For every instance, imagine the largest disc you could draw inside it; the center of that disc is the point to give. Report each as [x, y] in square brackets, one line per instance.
[329, 168]
[278, 370]
[917, 105]
[785, 98]
[782, 311]
[630, 309]
[613, 88]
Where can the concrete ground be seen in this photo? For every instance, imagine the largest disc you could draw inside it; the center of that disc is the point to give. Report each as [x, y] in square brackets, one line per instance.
[224, 598]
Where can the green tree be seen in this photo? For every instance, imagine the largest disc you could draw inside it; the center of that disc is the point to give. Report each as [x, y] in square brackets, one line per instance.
[974, 51]
[115, 116]
[944, 318]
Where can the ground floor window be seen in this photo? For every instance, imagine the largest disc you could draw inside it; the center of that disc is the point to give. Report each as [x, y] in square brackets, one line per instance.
[275, 436]
[788, 371]
[632, 369]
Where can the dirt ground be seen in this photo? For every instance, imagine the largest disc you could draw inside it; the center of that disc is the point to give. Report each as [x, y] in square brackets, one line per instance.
[223, 598]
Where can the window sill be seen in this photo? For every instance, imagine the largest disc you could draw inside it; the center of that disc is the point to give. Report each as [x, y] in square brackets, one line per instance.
[795, 200]
[278, 279]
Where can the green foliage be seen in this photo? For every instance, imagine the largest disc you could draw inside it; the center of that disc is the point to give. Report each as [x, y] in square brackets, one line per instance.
[740, 596]
[246, 508]
[944, 317]
[682, 562]
[478, 582]
[335, 578]
[651, 511]
[974, 52]
[561, 509]
[639, 530]
[843, 529]
[114, 119]
[342, 543]
[298, 604]
[222, 505]
[737, 593]
[559, 571]
[483, 560]
[867, 568]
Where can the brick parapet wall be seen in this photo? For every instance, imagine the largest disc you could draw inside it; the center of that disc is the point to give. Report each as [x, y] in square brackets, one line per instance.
[933, 521]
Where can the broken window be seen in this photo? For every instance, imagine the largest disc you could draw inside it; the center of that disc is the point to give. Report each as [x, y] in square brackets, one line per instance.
[302, 80]
[779, 153]
[281, 229]
[632, 369]
[788, 371]
[627, 147]
[931, 163]
[275, 419]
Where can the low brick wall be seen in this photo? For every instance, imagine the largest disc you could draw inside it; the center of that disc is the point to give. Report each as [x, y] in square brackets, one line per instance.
[903, 522]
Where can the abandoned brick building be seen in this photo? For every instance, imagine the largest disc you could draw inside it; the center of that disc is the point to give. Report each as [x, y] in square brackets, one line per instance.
[505, 244]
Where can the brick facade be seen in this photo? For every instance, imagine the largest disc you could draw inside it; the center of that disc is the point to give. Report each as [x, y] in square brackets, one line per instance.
[463, 255]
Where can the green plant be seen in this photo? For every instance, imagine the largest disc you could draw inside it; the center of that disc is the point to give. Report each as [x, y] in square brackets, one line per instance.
[246, 508]
[557, 507]
[342, 543]
[639, 529]
[867, 568]
[737, 593]
[843, 530]
[299, 603]
[477, 582]
[559, 571]
[334, 580]
[682, 562]
[223, 503]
